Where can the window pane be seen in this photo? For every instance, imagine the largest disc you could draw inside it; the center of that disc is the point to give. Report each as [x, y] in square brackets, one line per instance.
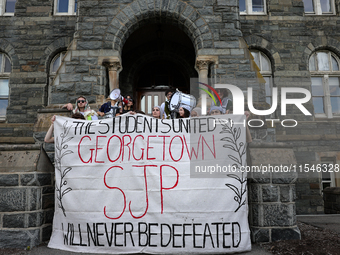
[334, 86]
[335, 65]
[1, 56]
[149, 104]
[75, 6]
[258, 6]
[3, 106]
[242, 5]
[56, 64]
[326, 5]
[265, 63]
[4, 88]
[256, 58]
[8, 67]
[309, 7]
[323, 63]
[62, 6]
[335, 103]
[317, 88]
[155, 100]
[10, 5]
[268, 86]
[142, 104]
[318, 105]
[312, 63]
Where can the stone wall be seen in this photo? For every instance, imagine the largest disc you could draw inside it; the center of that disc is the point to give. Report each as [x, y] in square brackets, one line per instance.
[288, 37]
[26, 196]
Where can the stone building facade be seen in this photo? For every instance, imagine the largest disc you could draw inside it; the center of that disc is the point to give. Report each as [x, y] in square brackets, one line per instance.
[89, 47]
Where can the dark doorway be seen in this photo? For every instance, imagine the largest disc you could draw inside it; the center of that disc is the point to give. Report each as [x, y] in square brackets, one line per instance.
[156, 57]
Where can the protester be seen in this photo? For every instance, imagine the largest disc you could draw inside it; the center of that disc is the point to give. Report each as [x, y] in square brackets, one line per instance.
[130, 105]
[227, 103]
[110, 109]
[165, 105]
[216, 110]
[196, 112]
[184, 111]
[157, 112]
[48, 137]
[83, 107]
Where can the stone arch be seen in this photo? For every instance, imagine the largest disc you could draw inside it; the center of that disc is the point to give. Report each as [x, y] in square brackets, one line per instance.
[7, 48]
[259, 43]
[324, 43]
[140, 12]
[54, 48]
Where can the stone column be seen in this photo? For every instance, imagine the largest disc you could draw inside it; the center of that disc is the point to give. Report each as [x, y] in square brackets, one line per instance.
[271, 192]
[202, 67]
[114, 66]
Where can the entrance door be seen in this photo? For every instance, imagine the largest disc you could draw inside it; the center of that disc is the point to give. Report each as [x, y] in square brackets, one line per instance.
[148, 99]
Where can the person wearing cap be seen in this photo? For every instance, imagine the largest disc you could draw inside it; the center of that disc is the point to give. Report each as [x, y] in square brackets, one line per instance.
[184, 111]
[196, 112]
[216, 110]
[83, 107]
[157, 112]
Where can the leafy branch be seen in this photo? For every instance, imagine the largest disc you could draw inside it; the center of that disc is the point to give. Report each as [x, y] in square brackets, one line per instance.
[240, 148]
[60, 152]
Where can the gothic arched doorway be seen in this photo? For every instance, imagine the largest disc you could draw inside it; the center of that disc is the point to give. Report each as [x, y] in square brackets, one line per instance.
[156, 57]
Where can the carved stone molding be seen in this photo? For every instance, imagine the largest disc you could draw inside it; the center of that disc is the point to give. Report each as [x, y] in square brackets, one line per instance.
[203, 64]
[113, 65]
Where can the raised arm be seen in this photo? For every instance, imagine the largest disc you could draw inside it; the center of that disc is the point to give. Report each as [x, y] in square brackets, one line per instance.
[48, 137]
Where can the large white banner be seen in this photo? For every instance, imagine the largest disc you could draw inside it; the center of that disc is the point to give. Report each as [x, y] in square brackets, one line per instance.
[136, 184]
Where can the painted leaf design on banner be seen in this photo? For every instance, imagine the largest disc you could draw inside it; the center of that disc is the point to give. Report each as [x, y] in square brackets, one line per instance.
[61, 151]
[240, 148]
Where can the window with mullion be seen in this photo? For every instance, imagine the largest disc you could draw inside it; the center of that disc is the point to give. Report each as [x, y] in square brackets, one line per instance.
[319, 7]
[264, 64]
[324, 69]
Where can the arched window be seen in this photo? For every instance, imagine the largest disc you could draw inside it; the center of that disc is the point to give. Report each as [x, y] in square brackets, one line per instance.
[324, 69]
[264, 64]
[54, 65]
[5, 70]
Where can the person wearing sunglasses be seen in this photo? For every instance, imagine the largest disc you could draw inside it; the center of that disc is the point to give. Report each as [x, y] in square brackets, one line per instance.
[83, 107]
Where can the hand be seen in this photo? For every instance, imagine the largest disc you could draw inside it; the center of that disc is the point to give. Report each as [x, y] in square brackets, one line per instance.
[69, 106]
[53, 119]
[101, 114]
[132, 112]
[247, 114]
